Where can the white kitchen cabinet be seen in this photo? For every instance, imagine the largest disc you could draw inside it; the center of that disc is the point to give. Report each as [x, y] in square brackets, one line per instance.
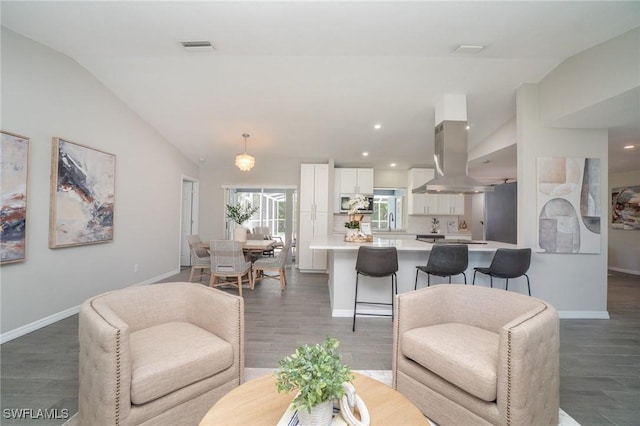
[354, 181]
[450, 204]
[314, 201]
[419, 204]
[431, 204]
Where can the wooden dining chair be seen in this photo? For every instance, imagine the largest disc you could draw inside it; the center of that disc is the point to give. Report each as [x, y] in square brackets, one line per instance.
[228, 261]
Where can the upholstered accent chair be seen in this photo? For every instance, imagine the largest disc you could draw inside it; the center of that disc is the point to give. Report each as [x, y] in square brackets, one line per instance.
[160, 354]
[476, 355]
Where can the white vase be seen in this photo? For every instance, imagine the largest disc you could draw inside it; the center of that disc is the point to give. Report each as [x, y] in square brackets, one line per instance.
[351, 233]
[320, 415]
[240, 234]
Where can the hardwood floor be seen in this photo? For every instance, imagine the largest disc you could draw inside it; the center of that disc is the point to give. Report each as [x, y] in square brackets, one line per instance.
[599, 359]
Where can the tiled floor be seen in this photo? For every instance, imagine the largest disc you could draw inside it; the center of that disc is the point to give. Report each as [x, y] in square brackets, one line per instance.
[599, 374]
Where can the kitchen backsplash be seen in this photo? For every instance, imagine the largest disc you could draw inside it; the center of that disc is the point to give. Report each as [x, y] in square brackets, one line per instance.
[443, 224]
[415, 224]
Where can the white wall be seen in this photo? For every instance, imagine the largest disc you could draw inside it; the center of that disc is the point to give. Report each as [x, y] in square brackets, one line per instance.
[624, 246]
[572, 283]
[605, 71]
[46, 94]
[384, 178]
[503, 137]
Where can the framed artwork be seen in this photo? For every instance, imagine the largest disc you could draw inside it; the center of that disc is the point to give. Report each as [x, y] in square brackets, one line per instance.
[625, 208]
[82, 195]
[569, 205]
[14, 175]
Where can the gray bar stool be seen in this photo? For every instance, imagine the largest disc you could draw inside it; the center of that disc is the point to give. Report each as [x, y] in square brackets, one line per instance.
[507, 263]
[376, 262]
[445, 260]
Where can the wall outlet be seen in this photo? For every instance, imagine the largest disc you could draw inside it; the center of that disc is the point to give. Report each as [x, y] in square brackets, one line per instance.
[136, 268]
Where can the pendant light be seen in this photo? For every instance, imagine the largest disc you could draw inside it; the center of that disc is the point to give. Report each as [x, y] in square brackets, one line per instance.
[244, 161]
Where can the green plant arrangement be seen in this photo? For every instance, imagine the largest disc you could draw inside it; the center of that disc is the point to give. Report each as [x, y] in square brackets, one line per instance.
[240, 214]
[352, 224]
[317, 372]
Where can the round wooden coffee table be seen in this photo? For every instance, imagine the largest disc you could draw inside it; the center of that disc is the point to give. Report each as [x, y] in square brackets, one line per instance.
[258, 402]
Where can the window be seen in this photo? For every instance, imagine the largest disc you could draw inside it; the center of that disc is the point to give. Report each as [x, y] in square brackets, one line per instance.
[388, 209]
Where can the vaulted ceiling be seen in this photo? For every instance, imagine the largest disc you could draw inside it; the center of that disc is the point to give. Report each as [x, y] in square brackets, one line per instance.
[309, 80]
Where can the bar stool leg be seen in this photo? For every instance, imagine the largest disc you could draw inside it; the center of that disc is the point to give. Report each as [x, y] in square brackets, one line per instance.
[506, 284]
[394, 291]
[474, 278]
[465, 278]
[416, 286]
[355, 303]
[528, 287]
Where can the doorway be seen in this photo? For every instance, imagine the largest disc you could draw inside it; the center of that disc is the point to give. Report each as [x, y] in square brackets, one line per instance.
[188, 217]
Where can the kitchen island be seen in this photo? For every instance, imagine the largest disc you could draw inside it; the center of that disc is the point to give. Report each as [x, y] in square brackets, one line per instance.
[341, 261]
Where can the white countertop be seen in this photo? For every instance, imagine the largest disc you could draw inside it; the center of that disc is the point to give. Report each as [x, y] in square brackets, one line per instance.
[338, 243]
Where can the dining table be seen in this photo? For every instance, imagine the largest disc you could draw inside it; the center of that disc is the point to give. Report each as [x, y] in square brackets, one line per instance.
[250, 246]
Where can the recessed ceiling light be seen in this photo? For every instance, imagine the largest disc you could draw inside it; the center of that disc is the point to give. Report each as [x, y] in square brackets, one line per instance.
[364, 154]
[377, 126]
[467, 127]
[629, 146]
[392, 164]
[486, 161]
[469, 48]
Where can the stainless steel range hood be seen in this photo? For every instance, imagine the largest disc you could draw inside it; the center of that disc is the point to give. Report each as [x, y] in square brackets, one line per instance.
[450, 155]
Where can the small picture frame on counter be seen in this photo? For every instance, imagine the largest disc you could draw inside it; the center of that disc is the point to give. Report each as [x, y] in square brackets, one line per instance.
[365, 228]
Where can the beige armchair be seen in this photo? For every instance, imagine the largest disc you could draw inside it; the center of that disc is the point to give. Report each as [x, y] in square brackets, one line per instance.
[159, 354]
[476, 355]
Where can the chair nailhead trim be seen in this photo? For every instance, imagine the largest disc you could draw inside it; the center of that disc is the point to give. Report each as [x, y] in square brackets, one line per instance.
[118, 377]
[509, 377]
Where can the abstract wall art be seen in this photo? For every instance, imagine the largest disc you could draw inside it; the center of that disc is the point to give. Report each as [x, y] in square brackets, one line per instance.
[14, 174]
[82, 195]
[569, 205]
[625, 208]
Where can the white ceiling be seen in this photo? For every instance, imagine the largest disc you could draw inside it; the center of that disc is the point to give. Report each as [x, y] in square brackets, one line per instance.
[308, 80]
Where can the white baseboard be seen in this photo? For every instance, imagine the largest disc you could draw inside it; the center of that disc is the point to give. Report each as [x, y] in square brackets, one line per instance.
[624, 270]
[43, 322]
[36, 325]
[583, 314]
[348, 313]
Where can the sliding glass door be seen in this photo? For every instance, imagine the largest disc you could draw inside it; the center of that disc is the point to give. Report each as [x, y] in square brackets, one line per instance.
[276, 207]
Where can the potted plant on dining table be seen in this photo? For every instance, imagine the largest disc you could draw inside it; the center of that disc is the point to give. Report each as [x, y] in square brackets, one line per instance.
[240, 214]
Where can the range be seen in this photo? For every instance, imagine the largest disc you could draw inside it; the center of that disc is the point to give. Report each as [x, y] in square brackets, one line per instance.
[439, 239]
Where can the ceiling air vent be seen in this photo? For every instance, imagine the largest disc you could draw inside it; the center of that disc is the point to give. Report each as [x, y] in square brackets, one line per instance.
[469, 48]
[197, 45]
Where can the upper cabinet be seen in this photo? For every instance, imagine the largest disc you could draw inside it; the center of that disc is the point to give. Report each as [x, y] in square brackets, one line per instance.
[314, 187]
[431, 204]
[354, 181]
[418, 203]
